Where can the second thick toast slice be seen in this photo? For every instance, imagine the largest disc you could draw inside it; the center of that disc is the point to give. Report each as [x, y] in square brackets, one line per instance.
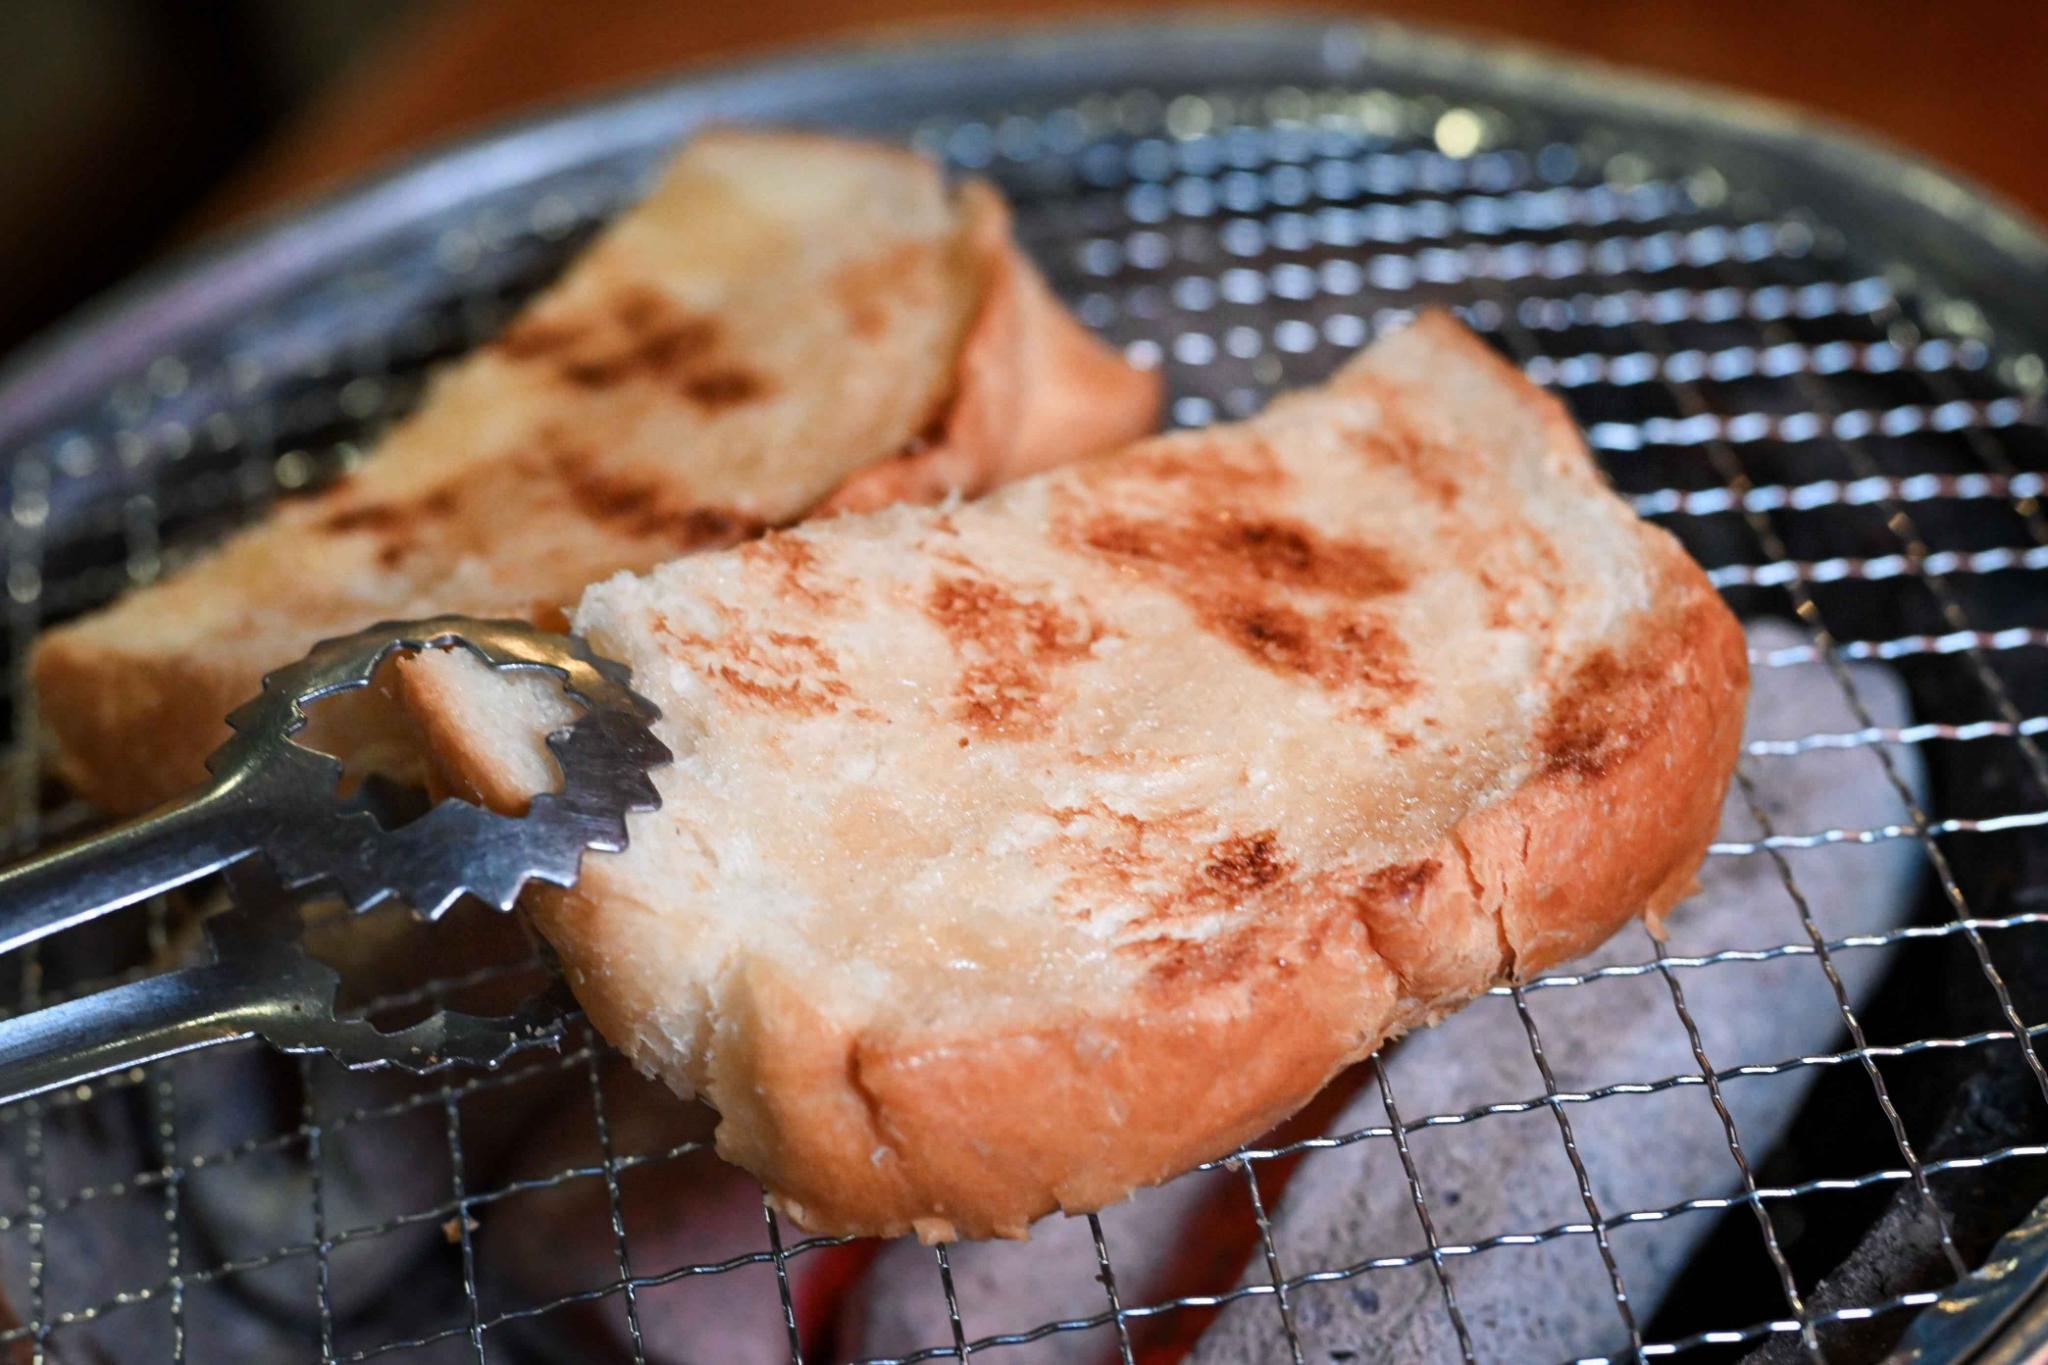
[788, 324]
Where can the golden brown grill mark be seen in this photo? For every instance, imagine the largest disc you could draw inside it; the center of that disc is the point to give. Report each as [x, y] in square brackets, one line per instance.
[1249, 579]
[536, 338]
[867, 290]
[714, 525]
[1279, 637]
[398, 527]
[791, 695]
[1286, 916]
[637, 333]
[1248, 874]
[1176, 961]
[1000, 700]
[1110, 854]
[1399, 446]
[723, 388]
[623, 503]
[370, 516]
[1009, 647]
[1222, 546]
[643, 506]
[794, 561]
[1199, 471]
[1400, 883]
[1239, 870]
[1246, 863]
[1598, 719]
[1395, 440]
[782, 671]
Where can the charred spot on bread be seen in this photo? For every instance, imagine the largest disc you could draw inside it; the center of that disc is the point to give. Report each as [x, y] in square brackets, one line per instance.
[643, 505]
[1230, 547]
[1200, 471]
[369, 516]
[1243, 576]
[1399, 883]
[1395, 441]
[782, 671]
[868, 291]
[397, 526]
[1009, 646]
[634, 332]
[796, 563]
[723, 388]
[1598, 718]
[1247, 862]
[1337, 651]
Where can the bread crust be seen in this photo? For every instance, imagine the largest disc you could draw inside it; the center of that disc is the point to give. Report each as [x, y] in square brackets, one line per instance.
[127, 733]
[950, 1133]
[131, 724]
[1072, 394]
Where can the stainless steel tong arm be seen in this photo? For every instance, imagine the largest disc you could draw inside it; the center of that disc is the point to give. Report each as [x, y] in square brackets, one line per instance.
[274, 803]
[271, 795]
[179, 842]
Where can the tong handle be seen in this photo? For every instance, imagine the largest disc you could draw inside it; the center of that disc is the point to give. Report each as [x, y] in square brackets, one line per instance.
[260, 984]
[144, 1021]
[174, 844]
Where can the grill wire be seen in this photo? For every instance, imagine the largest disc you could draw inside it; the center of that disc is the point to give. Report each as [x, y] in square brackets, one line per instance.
[1836, 449]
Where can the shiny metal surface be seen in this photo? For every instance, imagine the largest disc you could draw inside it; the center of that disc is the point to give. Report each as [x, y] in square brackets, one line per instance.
[276, 799]
[271, 795]
[259, 983]
[1998, 1315]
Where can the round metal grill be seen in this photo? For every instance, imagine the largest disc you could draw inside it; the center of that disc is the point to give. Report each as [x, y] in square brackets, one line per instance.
[1814, 365]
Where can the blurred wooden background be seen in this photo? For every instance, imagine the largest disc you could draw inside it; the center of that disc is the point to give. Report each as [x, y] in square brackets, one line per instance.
[130, 127]
[1959, 80]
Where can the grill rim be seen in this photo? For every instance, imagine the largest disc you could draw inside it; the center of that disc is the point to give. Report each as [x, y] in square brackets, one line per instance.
[1901, 202]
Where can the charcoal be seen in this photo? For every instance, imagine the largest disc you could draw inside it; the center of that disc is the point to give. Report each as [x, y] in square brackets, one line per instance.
[1509, 1175]
[680, 1209]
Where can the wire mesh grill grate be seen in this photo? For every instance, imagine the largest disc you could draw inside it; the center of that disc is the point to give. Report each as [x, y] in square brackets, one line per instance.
[1835, 449]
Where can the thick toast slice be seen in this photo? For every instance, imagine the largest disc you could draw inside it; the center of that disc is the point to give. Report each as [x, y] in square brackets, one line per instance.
[788, 323]
[1021, 853]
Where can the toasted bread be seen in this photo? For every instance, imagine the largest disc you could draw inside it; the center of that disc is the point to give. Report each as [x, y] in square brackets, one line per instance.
[788, 323]
[1022, 853]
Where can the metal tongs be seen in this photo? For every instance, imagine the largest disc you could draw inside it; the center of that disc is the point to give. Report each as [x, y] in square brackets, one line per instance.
[272, 796]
